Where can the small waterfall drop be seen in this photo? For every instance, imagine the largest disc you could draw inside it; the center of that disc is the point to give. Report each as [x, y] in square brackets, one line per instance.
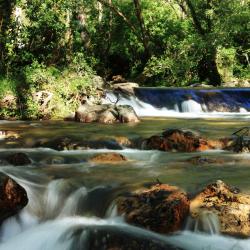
[191, 106]
[206, 222]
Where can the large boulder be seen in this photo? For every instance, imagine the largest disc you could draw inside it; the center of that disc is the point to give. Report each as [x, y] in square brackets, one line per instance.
[111, 158]
[13, 198]
[106, 113]
[161, 208]
[231, 207]
[181, 140]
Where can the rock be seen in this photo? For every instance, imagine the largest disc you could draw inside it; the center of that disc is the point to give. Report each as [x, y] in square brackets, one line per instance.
[13, 198]
[98, 82]
[181, 140]
[66, 143]
[126, 88]
[221, 107]
[114, 238]
[18, 159]
[161, 208]
[126, 114]
[123, 141]
[239, 144]
[118, 79]
[236, 83]
[108, 158]
[201, 160]
[231, 207]
[107, 117]
[8, 134]
[106, 113]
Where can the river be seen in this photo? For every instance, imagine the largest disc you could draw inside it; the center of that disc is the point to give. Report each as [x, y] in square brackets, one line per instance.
[68, 194]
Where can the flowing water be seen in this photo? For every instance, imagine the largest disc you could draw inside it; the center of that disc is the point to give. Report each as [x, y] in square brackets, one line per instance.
[71, 199]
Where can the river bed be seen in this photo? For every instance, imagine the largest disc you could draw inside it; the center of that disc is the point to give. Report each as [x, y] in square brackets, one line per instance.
[67, 192]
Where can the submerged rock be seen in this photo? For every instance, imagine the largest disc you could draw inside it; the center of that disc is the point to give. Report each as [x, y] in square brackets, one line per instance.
[18, 159]
[13, 198]
[180, 140]
[118, 239]
[231, 207]
[201, 160]
[106, 113]
[67, 143]
[161, 208]
[108, 158]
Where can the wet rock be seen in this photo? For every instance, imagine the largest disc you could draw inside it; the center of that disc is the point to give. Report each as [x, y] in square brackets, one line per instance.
[8, 135]
[108, 158]
[161, 208]
[240, 144]
[118, 239]
[201, 160]
[13, 198]
[18, 159]
[123, 141]
[231, 207]
[180, 140]
[221, 107]
[106, 113]
[66, 143]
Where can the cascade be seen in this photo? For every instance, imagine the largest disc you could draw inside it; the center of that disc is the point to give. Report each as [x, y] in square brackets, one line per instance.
[185, 102]
[206, 221]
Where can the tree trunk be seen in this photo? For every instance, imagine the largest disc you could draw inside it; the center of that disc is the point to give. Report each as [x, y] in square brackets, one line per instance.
[6, 8]
[144, 32]
[208, 68]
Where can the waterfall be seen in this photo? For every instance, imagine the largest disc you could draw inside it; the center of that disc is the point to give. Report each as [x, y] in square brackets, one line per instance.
[206, 222]
[189, 103]
[191, 106]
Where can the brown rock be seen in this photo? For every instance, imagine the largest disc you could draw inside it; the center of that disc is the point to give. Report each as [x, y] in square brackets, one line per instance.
[123, 141]
[162, 208]
[178, 140]
[13, 198]
[231, 207]
[18, 159]
[108, 158]
[7, 134]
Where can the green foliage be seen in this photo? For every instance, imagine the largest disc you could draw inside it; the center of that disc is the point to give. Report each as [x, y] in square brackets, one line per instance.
[58, 46]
